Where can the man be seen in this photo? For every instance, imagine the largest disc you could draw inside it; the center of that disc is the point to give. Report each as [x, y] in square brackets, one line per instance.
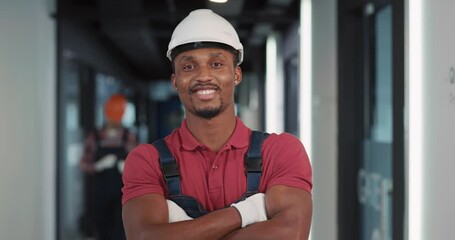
[210, 148]
[103, 160]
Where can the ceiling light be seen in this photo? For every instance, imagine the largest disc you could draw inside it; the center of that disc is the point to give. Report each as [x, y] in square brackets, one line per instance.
[218, 1]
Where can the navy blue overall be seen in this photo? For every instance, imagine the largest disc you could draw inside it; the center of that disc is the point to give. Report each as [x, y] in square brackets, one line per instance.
[253, 169]
[107, 193]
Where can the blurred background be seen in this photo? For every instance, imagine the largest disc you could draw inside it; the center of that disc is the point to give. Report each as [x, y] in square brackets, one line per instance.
[367, 85]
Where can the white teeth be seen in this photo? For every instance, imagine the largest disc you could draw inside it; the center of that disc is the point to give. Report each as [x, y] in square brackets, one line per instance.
[207, 91]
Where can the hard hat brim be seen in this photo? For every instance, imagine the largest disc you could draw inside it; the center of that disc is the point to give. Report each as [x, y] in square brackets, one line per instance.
[198, 45]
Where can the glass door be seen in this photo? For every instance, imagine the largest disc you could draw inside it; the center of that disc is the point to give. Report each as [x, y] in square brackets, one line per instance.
[371, 120]
[375, 175]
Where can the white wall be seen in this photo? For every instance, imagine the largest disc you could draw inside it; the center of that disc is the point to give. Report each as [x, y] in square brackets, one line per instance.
[438, 120]
[325, 119]
[27, 120]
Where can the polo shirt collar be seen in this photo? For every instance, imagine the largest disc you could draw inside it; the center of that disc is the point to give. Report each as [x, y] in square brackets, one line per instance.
[240, 137]
[188, 141]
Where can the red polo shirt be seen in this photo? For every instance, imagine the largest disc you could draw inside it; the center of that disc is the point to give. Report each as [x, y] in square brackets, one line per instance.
[217, 179]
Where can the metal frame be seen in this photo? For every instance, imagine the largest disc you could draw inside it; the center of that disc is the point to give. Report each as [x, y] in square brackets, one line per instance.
[351, 118]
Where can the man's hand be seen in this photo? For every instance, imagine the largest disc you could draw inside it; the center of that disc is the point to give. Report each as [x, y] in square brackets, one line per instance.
[252, 209]
[105, 162]
[176, 213]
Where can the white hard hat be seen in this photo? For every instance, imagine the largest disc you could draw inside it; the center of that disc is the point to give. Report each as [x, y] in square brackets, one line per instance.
[204, 28]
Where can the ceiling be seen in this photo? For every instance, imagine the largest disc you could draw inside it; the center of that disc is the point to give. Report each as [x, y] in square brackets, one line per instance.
[138, 31]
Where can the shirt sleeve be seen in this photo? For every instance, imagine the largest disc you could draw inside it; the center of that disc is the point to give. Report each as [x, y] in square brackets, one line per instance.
[285, 162]
[142, 174]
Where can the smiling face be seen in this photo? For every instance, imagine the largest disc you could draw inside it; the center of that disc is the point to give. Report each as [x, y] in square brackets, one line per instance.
[205, 80]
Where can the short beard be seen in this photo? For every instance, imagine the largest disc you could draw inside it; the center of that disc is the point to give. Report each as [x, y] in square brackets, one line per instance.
[208, 113]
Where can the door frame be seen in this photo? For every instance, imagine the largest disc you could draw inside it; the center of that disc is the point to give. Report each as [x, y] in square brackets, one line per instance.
[351, 119]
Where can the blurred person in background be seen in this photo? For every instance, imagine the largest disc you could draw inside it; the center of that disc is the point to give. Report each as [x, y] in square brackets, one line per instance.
[103, 159]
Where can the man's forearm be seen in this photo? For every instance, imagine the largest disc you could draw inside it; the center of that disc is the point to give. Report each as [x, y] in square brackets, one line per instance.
[289, 217]
[214, 225]
[271, 229]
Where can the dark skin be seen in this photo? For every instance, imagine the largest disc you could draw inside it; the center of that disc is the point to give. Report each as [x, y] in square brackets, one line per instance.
[205, 80]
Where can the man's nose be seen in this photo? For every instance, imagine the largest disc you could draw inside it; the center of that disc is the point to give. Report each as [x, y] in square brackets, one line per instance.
[204, 74]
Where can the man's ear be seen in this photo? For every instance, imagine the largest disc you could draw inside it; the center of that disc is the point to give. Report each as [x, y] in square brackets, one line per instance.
[237, 75]
[173, 81]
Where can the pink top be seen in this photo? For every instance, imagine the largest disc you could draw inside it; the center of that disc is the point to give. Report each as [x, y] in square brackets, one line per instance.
[217, 179]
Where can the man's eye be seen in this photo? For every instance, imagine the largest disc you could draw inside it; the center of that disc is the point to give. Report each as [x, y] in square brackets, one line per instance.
[217, 64]
[188, 67]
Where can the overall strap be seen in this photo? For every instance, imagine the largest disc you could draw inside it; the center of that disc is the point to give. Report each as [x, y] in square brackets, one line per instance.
[169, 167]
[126, 133]
[253, 162]
[97, 136]
[172, 177]
[253, 169]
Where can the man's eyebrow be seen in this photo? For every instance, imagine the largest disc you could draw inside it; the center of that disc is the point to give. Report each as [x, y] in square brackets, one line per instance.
[191, 57]
[186, 58]
[217, 54]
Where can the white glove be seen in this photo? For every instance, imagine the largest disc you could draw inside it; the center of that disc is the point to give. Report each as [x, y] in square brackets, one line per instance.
[176, 213]
[105, 162]
[120, 166]
[252, 209]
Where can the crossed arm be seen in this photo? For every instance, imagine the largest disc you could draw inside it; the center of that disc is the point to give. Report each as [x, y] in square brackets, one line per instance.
[289, 212]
